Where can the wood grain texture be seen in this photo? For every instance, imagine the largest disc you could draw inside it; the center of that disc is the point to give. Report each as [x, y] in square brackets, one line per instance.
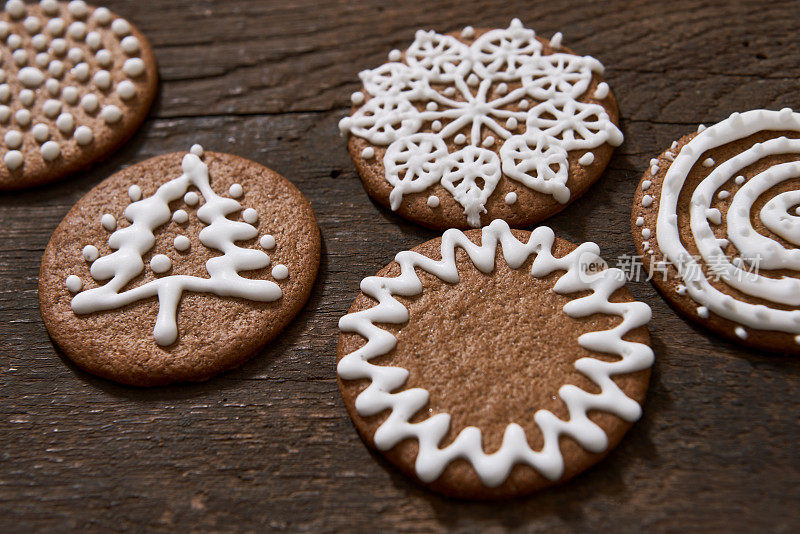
[270, 446]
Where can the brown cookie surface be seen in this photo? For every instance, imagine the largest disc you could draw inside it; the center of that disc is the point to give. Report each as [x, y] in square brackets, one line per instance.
[75, 83]
[477, 125]
[491, 351]
[742, 175]
[229, 268]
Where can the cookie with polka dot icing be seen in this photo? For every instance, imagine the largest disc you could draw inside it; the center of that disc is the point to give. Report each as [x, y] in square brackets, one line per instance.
[75, 83]
[716, 218]
[178, 268]
[482, 124]
[493, 363]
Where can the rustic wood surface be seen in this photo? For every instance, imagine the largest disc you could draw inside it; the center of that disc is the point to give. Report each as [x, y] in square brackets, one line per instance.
[270, 446]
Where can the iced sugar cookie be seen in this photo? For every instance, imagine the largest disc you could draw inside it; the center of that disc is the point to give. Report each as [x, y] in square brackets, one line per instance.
[178, 268]
[495, 362]
[716, 218]
[75, 83]
[464, 128]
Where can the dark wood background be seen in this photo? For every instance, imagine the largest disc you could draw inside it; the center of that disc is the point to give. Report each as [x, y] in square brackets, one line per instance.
[270, 446]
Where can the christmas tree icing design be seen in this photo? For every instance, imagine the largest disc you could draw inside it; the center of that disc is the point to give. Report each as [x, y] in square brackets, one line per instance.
[131, 243]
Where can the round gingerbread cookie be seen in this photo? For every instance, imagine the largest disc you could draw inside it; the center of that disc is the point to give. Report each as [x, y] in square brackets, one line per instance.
[465, 128]
[178, 268]
[716, 218]
[75, 83]
[496, 362]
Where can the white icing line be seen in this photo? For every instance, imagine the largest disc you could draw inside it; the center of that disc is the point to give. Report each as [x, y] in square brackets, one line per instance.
[494, 468]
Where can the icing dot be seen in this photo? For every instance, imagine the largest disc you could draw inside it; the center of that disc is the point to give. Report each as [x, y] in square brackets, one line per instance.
[708, 162]
[77, 30]
[135, 192]
[267, 242]
[102, 79]
[280, 272]
[81, 72]
[473, 79]
[13, 139]
[75, 54]
[197, 150]
[108, 221]
[702, 311]
[94, 40]
[647, 201]
[71, 95]
[191, 198]
[23, 117]
[83, 135]
[601, 91]
[160, 263]
[5, 93]
[357, 98]
[126, 90]
[121, 27]
[2, 76]
[49, 6]
[460, 139]
[14, 41]
[180, 216]
[14, 159]
[20, 57]
[130, 45]
[741, 332]
[432, 106]
[111, 114]
[90, 253]
[90, 103]
[739, 180]
[433, 201]
[104, 58]
[32, 24]
[58, 47]
[133, 67]
[368, 153]
[42, 60]
[556, 39]
[639, 221]
[182, 243]
[681, 289]
[236, 190]
[723, 195]
[102, 15]
[489, 141]
[53, 87]
[502, 88]
[78, 9]
[5, 28]
[56, 68]
[65, 123]
[646, 233]
[52, 108]
[56, 27]
[511, 198]
[250, 215]
[436, 126]
[523, 104]
[73, 283]
[654, 170]
[50, 150]
[511, 123]
[16, 8]
[5, 114]
[586, 159]
[468, 32]
[31, 77]
[395, 55]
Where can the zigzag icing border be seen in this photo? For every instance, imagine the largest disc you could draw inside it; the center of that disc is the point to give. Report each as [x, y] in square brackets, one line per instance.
[494, 468]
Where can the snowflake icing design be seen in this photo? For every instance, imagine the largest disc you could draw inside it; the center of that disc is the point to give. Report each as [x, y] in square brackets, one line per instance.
[445, 90]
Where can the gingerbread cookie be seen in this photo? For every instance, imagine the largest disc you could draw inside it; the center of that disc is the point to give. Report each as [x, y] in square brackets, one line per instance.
[178, 268]
[495, 362]
[75, 83]
[716, 218]
[465, 128]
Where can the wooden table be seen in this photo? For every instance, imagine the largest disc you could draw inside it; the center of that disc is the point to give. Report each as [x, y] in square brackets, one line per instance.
[269, 445]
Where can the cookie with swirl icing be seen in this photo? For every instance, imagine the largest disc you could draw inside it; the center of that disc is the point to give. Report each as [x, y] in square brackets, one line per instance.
[495, 362]
[75, 83]
[482, 124]
[178, 268]
[716, 218]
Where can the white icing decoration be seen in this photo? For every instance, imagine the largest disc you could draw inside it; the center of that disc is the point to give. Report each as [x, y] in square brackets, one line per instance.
[708, 162]
[236, 190]
[104, 58]
[16, 9]
[41, 132]
[646, 233]
[182, 243]
[639, 221]
[75, 54]
[5, 114]
[511, 198]
[71, 95]
[50, 150]
[368, 153]
[414, 157]
[13, 139]
[133, 67]
[197, 150]
[31, 77]
[556, 40]
[81, 72]
[109, 222]
[102, 79]
[111, 114]
[748, 242]
[267, 242]
[126, 90]
[601, 91]
[5, 93]
[280, 272]
[646, 185]
[130, 45]
[77, 30]
[647, 201]
[55, 68]
[433, 201]
[90, 103]
[160, 263]
[20, 57]
[65, 123]
[102, 15]
[52, 108]
[78, 9]
[22, 117]
[56, 28]
[90, 253]
[494, 468]
[94, 41]
[73, 283]
[191, 198]
[53, 87]
[468, 32]
[250, 216]
[134, 193]
[83, 135]
[134, 241]
[180, 217]
[14, 159]
[586, 159]
[14, 41]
